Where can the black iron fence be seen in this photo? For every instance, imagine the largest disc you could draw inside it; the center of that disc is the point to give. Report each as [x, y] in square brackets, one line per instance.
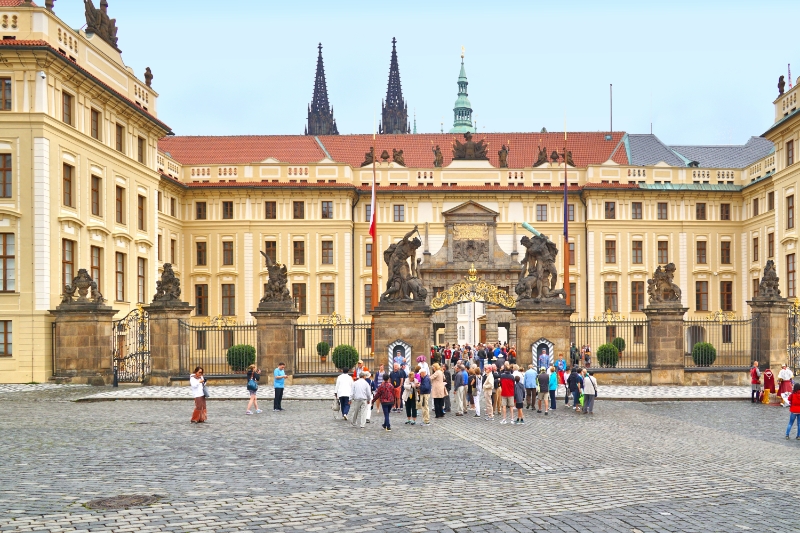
[314, 345]
[721, 340]
[794, 336]
[208, 346]
[633, 335]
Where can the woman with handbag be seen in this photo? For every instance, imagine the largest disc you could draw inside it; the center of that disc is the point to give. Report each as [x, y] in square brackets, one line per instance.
[253, 375]
[198, 382]
[410, 399]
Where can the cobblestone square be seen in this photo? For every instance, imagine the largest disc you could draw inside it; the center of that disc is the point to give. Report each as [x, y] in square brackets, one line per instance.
[632, 467]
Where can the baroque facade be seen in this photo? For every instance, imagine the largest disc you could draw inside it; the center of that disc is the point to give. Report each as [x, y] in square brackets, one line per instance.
[91, 180]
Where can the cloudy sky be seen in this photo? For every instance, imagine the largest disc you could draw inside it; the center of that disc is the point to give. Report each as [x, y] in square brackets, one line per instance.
[700, 71]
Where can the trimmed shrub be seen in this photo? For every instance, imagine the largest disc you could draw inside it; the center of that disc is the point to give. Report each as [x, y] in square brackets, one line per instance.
[619, 342]
[704, 354]
[240, 356]
[607, 356]
[345, 356]
[323, 349]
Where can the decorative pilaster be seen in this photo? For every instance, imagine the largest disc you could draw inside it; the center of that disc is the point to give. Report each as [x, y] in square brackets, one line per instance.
[770, 329]
[275, 329]
[537, 321]
[666, 343]
[402, 321]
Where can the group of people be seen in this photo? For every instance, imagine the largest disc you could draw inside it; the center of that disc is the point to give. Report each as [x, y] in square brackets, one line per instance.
[503, 390]
[480, 354]
[762, 384]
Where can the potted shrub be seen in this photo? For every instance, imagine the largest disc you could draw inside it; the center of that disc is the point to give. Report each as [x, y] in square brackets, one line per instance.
[240, 356]
[619, 342]
[607, 356]
[704, 354]
[345, 356]
[323, 349]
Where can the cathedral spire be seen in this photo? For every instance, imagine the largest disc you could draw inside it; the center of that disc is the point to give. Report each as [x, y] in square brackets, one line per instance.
[394, 112]
[462, 112]
[320, 114]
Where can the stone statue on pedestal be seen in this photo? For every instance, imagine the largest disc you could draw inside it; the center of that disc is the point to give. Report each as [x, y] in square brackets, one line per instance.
[84, 285]
[470, 150]
[661, 288]
[768, 289]
[438, 158]
[403, 283]
[168, 288]
[539, 273]
[276, 290]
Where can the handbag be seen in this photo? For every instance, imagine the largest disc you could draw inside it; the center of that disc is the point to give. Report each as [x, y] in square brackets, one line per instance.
[205, 391]
[580, 400]
[252, 385]
[336, 405]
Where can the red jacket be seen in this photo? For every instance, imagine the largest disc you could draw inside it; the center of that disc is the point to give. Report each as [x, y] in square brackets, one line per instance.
[754, 377]
[794, 402]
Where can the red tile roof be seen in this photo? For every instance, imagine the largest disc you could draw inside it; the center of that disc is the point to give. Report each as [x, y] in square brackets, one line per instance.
[586, 147]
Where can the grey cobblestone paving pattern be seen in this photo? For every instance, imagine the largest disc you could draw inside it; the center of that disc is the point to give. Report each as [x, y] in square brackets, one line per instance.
[632, 467]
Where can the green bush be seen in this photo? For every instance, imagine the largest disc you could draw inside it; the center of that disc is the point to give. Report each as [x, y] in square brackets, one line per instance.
[704, 354]
[323, 349]
[240, 356]
[608, 356]
[619, 342]
[345, 356]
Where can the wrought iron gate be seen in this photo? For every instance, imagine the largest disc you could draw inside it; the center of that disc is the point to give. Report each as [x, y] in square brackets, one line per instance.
[794, 336]
[131, 347]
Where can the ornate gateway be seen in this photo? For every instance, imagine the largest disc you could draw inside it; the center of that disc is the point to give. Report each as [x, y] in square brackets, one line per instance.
[473, 289]
[131, 347]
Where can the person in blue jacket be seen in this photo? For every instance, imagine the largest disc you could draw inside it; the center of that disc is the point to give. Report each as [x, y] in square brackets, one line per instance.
[553, 387]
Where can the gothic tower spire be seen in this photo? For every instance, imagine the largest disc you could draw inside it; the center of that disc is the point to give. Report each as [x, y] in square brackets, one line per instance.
[462, 112]
[394, 110]
[320, 114]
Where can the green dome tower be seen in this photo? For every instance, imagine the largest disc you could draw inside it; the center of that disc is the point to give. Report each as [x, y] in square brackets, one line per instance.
[462, 112]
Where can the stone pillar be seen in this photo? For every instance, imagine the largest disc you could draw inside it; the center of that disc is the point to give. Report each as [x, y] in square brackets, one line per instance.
[548, 320]
[770, 331]
[83, 343]
[275, 325]
[666, 344]
[405, 321]
[165, 348]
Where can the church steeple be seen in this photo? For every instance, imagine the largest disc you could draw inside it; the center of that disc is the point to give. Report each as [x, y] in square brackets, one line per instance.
[320, 114]
[462, 112]
[394, 110]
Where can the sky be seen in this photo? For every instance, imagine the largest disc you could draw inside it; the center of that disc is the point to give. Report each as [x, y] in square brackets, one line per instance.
[701, 72]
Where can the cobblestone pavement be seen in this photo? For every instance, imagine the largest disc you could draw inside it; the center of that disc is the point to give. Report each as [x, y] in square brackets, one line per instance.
[325, 392]
[635, 467]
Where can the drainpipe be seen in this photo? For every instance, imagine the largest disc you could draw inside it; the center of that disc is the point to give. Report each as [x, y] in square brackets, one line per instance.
[352, 255]
[585, 253]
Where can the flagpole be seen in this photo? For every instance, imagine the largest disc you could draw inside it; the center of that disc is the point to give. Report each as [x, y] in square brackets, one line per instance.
[374, 234]
[566, 220]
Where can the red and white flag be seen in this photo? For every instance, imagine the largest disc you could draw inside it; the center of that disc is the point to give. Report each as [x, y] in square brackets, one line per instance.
[372, 213]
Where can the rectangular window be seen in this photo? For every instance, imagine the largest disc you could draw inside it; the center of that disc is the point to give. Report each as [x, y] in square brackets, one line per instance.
[5, 175]
[172, 255]
[228, 299]
[790, 212]
[141, 268]
[270, 210]
[159, 242]
[368, 213]
[638, 334]
[140, 150]
[727, 333]
[702, 256]
[611, 251]
[572, 253]
[299, 210]
[227, 253]
[789, 153]
[701, 295]
[119, 201]
[637, 252]
[573, 294]
[141, 212]
[119, 272]
[662, 210]
[96, 194]
[725, 211]
[755, 248]
[299, 252]
[637, 295]
[67, 262]
[202, 258]
[541, 212]
[571, 212]
[201, 300]
[96, 258]
[172, 211]
[755, 288]
[66, 108]
[158, 201]
[327, 304]
[700, 211]
[367, 297]
[201, 340]
[611, 210]
[399, 213]
[327, 252]
[67, 185]
[663, 252]
[771, 200]
[227, 339]
[5, 94]
[200, 211]
[636, 210]
[95, 124]
[119, 138]
[770, 245]
[755, 207]
[725, 253]
[271, 249]
[610, 292]
[726, 295]
[327, 210]
[368, 254]
[8, 263]
[5, 338]
[227, 210]
[790, 276]
[299, 297]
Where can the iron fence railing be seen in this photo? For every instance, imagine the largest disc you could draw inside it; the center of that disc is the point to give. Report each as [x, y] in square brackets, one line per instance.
[731, 338]
[594, 333]
[308, 338]
[207, 346]
[794, 336]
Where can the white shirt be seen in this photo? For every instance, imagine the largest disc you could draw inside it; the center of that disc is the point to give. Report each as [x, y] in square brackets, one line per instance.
[589, 385]
[785, 374]
[197, 386]
[424, 366]
[344, 386]
[361, 390]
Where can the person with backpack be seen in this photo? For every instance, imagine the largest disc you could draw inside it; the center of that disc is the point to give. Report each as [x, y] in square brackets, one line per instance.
[344, 391]
[755, 382]
[589, 392]
[253, 375]
[794, 411]
[385, 395]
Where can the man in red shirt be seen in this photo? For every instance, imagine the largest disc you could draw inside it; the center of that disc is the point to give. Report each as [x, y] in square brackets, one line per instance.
[755, 382]
[507, 393]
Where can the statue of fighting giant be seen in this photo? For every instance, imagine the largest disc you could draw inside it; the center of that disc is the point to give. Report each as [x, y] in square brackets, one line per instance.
[403, 283]
[539, 274]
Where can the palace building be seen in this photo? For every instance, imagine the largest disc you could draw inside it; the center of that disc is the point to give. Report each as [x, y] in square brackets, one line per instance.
[92, 179]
